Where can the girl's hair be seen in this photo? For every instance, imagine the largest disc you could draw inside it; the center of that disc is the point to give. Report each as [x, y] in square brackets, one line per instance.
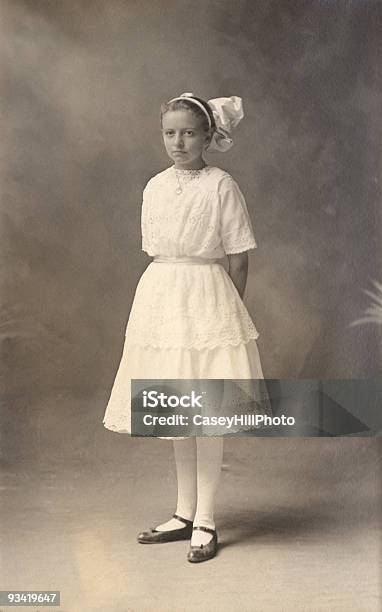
[186, 104]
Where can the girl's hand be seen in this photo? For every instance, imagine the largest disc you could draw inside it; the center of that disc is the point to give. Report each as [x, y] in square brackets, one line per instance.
[238, 270]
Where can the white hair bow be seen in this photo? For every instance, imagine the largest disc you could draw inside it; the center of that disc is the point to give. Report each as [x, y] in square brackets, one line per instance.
[227, 112]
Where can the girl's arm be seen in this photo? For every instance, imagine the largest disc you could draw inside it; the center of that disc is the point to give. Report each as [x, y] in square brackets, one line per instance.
[238, 270]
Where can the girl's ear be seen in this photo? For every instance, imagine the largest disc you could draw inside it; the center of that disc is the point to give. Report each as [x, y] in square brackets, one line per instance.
[209, 136]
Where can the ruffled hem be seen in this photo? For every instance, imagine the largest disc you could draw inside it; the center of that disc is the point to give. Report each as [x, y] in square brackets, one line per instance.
[239, 363]
[230, 432]
[241, 249]
[194, 345]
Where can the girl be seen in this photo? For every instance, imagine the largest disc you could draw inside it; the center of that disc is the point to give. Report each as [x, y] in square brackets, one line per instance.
[188, 320]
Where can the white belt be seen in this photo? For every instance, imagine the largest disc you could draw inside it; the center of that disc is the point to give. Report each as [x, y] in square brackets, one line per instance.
[184, 260]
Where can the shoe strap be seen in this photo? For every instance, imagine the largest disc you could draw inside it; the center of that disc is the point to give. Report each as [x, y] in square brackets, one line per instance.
[207, 529]
[183, 520]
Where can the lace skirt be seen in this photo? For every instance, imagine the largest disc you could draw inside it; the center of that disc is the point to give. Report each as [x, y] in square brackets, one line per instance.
[189, 322]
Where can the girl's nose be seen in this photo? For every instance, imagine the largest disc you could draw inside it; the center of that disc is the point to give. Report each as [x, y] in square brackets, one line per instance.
[179, 140]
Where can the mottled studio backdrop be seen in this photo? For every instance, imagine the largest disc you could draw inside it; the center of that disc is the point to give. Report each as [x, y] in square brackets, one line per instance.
[82, 82]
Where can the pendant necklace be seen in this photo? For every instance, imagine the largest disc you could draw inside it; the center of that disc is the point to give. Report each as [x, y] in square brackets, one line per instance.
[178, 190]
[188, 175]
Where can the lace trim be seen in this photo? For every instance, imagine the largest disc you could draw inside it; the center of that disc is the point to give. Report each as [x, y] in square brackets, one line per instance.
[161, 331]
[118, 424]
[187, 172]
[117, 417]
[243, 240]
[184, 177]
[198, 346]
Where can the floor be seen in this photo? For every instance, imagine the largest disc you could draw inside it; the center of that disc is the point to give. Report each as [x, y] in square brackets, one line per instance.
[298, 521]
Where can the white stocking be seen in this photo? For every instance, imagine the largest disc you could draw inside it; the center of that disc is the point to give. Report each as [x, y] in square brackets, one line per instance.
[209, 462]
[185, 460]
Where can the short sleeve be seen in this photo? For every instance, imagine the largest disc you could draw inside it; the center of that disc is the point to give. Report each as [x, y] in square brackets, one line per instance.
[235, 226]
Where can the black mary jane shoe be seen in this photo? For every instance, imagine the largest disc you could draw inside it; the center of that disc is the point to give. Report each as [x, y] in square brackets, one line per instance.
[196, 554]
[153, 536]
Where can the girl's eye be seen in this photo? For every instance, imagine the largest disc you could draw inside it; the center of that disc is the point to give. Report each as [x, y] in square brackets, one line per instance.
[169, 133]
[189, 132]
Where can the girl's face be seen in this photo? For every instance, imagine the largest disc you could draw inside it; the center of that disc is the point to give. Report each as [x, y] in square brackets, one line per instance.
[185, 139]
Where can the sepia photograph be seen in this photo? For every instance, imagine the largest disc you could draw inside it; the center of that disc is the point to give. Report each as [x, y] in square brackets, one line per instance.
[191, 305]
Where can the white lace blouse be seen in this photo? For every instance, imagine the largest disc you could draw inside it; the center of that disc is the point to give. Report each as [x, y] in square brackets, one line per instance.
[195, 213]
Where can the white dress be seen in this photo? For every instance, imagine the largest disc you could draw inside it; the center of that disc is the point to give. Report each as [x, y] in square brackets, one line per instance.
[188, 320]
